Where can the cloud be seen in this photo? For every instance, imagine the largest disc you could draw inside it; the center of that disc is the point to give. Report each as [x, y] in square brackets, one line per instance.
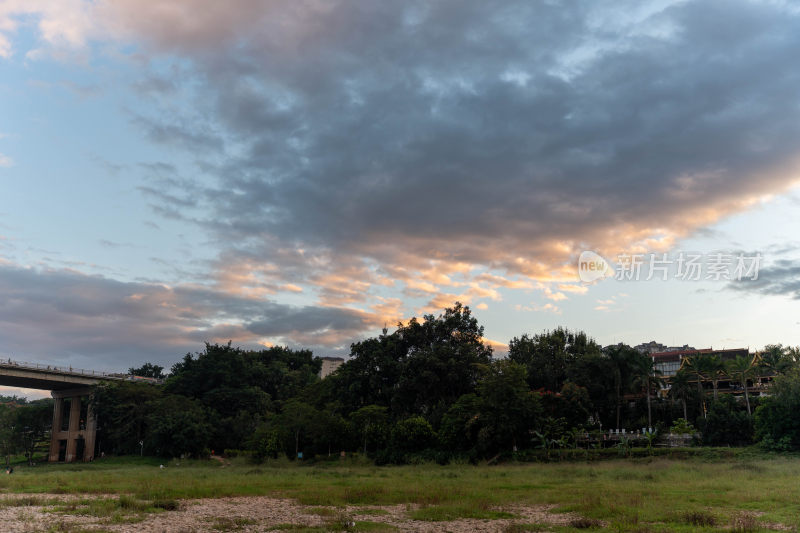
[505, 138]
[453, 149]
[782, 278]
[547, 308]
[610, 304]
[499, 348]
[24, 393]
[64, 27]
[63, 315]
[6, 161]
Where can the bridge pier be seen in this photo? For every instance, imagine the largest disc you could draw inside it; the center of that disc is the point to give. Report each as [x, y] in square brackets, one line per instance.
[78, 429]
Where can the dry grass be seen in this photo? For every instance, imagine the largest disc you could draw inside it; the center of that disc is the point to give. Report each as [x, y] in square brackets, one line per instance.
[743, 495]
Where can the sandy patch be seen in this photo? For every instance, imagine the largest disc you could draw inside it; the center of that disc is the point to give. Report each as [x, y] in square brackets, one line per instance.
[245, 514]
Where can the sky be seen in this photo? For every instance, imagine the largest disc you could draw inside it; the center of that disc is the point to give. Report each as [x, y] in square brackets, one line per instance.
[305, 173]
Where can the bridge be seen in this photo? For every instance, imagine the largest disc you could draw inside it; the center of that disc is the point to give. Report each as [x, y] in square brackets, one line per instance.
[74, 426]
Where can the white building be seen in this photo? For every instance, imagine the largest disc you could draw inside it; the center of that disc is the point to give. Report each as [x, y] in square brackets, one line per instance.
[329, 366]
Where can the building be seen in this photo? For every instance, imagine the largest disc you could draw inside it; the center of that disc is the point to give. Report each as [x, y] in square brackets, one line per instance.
[329, 366]
[650, 347]
[669, 362]
[656, 347]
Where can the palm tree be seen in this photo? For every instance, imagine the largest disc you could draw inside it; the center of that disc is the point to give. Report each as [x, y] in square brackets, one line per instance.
[714, 370]
[741, 368]
[679, 388]
[647, 374]
[793, 354]
[776, 358]
[700, 366]
[620, 357]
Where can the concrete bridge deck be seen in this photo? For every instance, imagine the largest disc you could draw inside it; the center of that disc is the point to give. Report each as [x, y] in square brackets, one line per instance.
[49, 377]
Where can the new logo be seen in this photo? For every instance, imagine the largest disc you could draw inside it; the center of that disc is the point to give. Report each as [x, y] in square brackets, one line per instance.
[592, 267]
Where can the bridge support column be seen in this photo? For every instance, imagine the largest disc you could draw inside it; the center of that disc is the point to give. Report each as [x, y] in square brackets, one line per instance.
[90, 433]
[74, 428]
[58, 414]
[77, 429]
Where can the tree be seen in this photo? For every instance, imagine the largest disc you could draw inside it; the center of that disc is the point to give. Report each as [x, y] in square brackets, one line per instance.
[727, 424]
[775, 359]
[624, 361]
[443, 361]
[548, 356]
[412, 435]
[792, 354]
[331, 431]
[370, 421]
[176, 426]
[716, 370]
[741, 368]
[595, 373]
[646, 375]
[679, 388]
[421, 368]
[575, 405]
[370, 377]
[7, 433]
[705, 367]
[148, 370]
[777, 425]
[285, 373]
[461, 423]
[230, 383]
[297, 418]
[32, 423]
[122, 409]
[508, 410]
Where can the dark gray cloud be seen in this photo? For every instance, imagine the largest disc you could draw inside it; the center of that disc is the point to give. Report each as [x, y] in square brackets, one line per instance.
[345, 145]
[781, 279]
[188, 136]
[503, 134]
[96, 322]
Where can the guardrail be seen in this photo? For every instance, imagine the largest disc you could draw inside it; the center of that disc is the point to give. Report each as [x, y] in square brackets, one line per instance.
[10, 363]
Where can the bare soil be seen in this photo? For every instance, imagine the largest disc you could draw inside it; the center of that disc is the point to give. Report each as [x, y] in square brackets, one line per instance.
[245, 514]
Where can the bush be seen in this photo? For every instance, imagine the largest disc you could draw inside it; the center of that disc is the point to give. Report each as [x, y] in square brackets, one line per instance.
[727, 424]
[231, 453]
[777, 425]
[265, 442]
[177, 426]
[413, 434]
[699, 518]
[744, 522]
[682, 426]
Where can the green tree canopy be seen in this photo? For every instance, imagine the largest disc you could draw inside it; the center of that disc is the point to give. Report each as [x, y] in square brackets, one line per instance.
[548, 356]
[148, 370]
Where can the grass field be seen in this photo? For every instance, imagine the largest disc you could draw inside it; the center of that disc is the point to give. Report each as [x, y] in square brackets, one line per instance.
[745, 493]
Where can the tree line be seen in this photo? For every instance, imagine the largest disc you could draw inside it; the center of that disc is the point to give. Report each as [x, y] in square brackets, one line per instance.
[432, 389]
[24, 427]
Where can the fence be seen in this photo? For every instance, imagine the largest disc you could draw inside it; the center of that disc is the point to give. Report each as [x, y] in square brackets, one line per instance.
[9, 363]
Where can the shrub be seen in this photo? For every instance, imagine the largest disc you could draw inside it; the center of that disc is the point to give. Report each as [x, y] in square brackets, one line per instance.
[682, 426]
[413, 434]
[699, 518]
[744, 522]
[777, 425]
[727, 424]
[584, 523]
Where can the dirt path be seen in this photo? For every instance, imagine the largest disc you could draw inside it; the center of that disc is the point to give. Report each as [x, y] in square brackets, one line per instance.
[244, 514]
